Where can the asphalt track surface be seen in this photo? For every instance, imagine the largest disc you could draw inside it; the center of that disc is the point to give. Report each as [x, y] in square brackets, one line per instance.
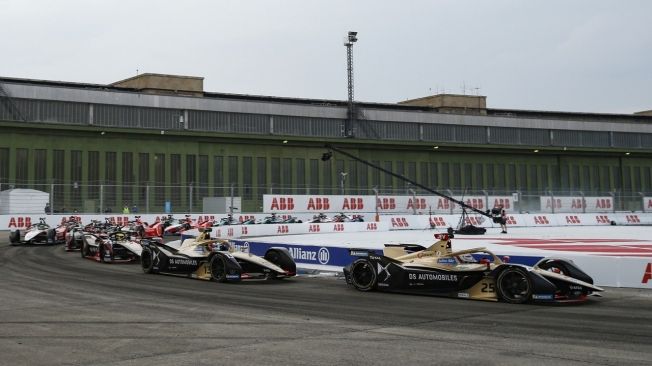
[59, 309]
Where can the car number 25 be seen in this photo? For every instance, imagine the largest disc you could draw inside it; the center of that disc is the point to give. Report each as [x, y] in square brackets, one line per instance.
[488, 287]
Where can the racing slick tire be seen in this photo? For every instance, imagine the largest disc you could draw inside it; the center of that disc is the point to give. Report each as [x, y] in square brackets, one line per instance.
[51, 236]
[147, 260]
[83, 249]
[363, 275]
[14, 237]
[217, 265]
[514, 286]
[100, 252]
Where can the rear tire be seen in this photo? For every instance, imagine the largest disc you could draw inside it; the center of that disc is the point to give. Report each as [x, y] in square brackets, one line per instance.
[147, 260]
[14, 237]
[363, 275]
[514, 286]
[218, 268]
[51, 236]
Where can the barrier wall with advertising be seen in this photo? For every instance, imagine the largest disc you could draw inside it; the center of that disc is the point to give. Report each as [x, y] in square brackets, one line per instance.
[385, 223]
[576, 204]
[383, 204]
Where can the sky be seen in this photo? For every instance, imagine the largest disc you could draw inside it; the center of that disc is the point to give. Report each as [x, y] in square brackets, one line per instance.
[550, 55]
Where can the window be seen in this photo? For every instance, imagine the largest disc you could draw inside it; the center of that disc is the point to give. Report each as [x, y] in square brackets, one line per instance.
[94, 174]
[286, 175]
[352, 178]
[434, 175]
[500, 179]
[4, 168]
[40, 168]
[490, 177]
[301, 175]
[203, 178]
[76, 177]
[363, 182]
[128, 178]
[59, 177]
[175, 180]
[424, 177]
[159, 179]
[341, 175]
[276, 175]
[234, 182]
[445, 176]
[247, 176]
[218, 175]
[375, 175]
[313, 185]
[389, 179]
[328, 176]
[261, 169]
[22, 163]
[456, 176]
[479, 177]
[143, 177]
[110, 179]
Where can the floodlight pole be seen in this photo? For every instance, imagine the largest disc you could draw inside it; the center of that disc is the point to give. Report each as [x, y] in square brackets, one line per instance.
[458, 202]
[348, 42]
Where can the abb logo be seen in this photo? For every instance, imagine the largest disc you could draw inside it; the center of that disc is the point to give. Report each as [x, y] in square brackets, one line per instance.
[649, 203]
[386, 203]
[318, 204]
[603, 203]
[282, 229]
[476, 203]
[647, 275]
[578, 203]
[437, 221]
[573, 220]
[632, 219]
[244, 230]
[502, 202]
[314, 228]
[400, 222]
[472, 220]
[206, 218]
[20, 222]
[553, 203]
[443, 204]
[282, 203]
[338, 227]
[353, 203]
[229, 231]
[372, 226]
[65, 219]
[602, 219]
[510, 220]
[416, 204]
[541, 220]
[244, 218]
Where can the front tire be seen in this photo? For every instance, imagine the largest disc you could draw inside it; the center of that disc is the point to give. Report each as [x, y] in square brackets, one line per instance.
[514, 286]
[363, 275]
[51, 236]
[218, 268]
[14, 237]
[147, 260]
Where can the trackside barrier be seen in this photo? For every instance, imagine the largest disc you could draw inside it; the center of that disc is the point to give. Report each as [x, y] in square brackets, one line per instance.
[606, 271]
[243, 231]
[387, 222]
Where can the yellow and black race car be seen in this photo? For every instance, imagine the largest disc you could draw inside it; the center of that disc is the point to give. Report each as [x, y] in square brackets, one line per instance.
[472, 274]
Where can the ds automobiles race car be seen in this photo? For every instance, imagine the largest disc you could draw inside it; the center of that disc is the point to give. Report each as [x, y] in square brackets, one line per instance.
[473, 274]
[40, 233]
[115, 246]
[212, 259]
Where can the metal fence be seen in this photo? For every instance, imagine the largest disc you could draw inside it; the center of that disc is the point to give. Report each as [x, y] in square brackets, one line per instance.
[111, 198]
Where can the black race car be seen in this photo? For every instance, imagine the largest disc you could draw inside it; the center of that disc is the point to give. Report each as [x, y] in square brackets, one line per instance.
[213, 259]
[472, 274]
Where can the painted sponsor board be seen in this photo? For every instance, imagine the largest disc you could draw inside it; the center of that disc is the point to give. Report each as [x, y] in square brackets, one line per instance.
[576, 204]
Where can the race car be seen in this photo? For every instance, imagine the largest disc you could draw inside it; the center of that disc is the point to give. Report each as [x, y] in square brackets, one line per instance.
[213, 259]
[40, 233]
[74, 238]
[112, 247]
[471, 274]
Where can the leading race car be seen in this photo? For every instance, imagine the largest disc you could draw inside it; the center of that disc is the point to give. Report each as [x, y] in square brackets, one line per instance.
[211, 259]
[40, 233]
[473, 274]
